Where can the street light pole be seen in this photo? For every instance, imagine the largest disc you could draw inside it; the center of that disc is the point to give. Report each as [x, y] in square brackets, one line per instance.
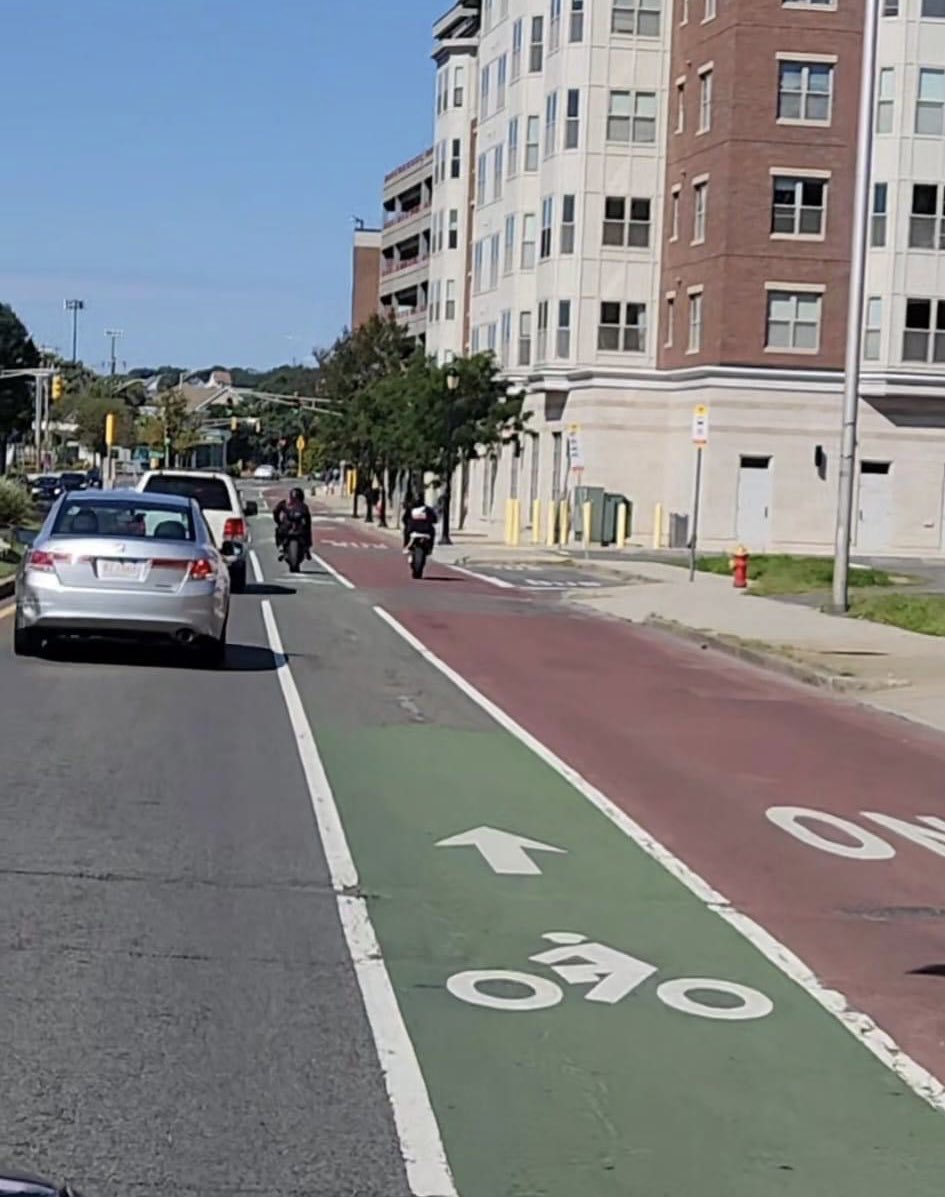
[113, 334]
[75, 306]
[851, 376]
[452, 385]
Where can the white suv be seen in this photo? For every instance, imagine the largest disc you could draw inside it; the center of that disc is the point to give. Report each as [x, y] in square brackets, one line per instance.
[225, 513]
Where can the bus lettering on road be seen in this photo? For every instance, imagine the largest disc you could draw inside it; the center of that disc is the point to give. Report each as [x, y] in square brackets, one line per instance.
[842, 837]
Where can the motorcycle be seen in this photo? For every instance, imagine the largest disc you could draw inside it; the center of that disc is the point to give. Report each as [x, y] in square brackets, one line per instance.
[293, 543]
[418, 549]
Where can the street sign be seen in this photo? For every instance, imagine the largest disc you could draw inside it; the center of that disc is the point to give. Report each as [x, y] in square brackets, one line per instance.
[300, 444]
[700, 425]
[575, 457]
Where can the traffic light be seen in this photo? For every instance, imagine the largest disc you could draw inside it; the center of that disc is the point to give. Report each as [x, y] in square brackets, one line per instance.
[57, 387]
[110, 429]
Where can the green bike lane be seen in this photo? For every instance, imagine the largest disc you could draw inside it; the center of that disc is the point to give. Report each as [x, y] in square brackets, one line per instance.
[603, 1068]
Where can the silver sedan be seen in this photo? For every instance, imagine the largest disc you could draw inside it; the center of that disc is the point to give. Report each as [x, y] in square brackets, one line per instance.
[123, 564]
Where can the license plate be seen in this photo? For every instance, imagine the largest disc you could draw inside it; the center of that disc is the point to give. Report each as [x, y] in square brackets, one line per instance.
[121, 571]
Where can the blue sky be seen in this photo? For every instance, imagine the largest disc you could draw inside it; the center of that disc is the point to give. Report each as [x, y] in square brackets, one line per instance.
[190, 168]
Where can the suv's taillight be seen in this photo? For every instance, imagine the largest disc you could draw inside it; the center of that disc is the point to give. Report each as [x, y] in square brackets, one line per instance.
[202, 570]
[234, 530]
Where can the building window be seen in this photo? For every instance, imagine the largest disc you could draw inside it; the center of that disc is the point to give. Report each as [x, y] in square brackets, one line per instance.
[505, 325]
[563, 343]
[873, 330]
[797, 207]
[547, 219]
[878, 224]
[517, 39]
[487, 12]
[567, 224]
[933, 9]
[524, 338]
[554, 26]
[805, 92]
[497, 169]
[572, 125]
[459, 86]
[532, 133]
[576, 32]
[513, 146]
[640, 17]
[551, 123]
[674, 215]
[700, 205]
[477, 267]
[705, 100]
[484, 89]
[885, 100]
[711, 11]
[453, 229]
[494, 243]
[681, 106]
[695, 322]
[456, 159]
[434, 301]
[631, 117]
[528, 240]
[508, 264]
[442, 85]
[794, 321]
[927, 222]
[536, 54]
[541, 337]
[922, 341]
[670, 320]
[684, 12]
[449, 311]
[622, 328]
[930, 105]
[502, 71]
[627, 222]
[890, 8]
[481, 179]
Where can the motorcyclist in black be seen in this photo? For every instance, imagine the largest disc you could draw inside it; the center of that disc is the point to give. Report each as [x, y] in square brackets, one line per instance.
[418, 518]
[288, 511]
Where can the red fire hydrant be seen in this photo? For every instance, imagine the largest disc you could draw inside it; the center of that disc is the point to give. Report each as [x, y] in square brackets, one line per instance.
[739, 564]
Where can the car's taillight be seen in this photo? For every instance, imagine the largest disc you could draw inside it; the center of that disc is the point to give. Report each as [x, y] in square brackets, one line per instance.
[202, 570]
[234, 530]
[41, 561]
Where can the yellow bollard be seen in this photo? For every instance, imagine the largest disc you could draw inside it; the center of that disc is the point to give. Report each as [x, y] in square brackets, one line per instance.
[552, 524]
[586, 524]
[564, 526]
[658, 526]
[536, 521]
[515, 521]
[506, 531]
[621, 525]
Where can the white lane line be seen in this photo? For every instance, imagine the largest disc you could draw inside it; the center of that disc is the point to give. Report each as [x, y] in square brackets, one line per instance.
[922, 1082]
[257, 568]
[471, 573]
[348, 585]
[428, 1172]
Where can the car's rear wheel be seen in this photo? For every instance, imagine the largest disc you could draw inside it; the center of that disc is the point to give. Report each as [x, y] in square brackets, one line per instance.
[238, 578]
[26, 642]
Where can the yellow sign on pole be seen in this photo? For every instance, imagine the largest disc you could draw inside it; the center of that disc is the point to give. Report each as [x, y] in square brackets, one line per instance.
[110, 429]
[300, 444]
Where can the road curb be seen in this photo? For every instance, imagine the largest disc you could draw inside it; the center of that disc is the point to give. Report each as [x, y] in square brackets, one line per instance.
[769, 660]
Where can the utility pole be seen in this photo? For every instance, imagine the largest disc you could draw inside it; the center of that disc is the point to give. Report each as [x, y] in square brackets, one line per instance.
[113, 335]
[75, 306]
[851, 377]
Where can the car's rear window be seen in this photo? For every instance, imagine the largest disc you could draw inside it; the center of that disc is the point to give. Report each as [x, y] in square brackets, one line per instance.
[104, 517]
[210, 493]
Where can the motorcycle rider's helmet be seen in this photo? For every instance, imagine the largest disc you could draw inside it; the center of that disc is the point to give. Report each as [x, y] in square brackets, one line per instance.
[296, 495]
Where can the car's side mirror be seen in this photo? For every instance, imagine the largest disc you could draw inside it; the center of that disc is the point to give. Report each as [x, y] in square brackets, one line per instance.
[251, 508]
[26, 537]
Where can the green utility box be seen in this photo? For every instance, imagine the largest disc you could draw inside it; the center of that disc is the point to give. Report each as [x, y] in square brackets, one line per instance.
[595, 496]
[612, 504]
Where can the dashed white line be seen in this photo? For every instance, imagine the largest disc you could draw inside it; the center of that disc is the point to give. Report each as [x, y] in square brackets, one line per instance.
[428, 1172]
[257, 568]
[922, 1082]
[471, 573]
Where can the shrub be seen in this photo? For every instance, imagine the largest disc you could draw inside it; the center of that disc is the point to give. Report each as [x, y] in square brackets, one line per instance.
[15, 505]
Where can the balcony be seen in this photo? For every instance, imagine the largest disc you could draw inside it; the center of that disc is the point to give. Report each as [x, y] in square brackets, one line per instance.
[404, 168]
[392, 219]
[399, 265]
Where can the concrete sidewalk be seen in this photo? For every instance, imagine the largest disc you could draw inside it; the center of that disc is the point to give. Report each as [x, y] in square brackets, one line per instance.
[887, 668]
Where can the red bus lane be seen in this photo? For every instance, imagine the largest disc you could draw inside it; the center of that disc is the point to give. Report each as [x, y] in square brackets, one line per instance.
[707, 755]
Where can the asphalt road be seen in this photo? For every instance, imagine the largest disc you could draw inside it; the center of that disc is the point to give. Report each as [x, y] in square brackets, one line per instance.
[196, 987]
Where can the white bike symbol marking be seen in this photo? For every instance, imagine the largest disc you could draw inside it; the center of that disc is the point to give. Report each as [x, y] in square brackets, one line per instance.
[612, 974]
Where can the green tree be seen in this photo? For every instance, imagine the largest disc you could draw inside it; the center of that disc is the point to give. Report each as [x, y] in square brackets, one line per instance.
[172, 426]
[88, 412]
[17, 352]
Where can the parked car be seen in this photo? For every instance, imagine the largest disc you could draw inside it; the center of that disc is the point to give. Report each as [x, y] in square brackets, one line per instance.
[265, 473]
[121, 564]
[222, 508]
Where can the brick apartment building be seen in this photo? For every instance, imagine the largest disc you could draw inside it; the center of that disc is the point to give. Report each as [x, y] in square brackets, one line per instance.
[644, 205]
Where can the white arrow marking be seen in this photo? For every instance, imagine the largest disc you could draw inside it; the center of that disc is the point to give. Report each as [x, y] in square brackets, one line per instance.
[502, 851]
